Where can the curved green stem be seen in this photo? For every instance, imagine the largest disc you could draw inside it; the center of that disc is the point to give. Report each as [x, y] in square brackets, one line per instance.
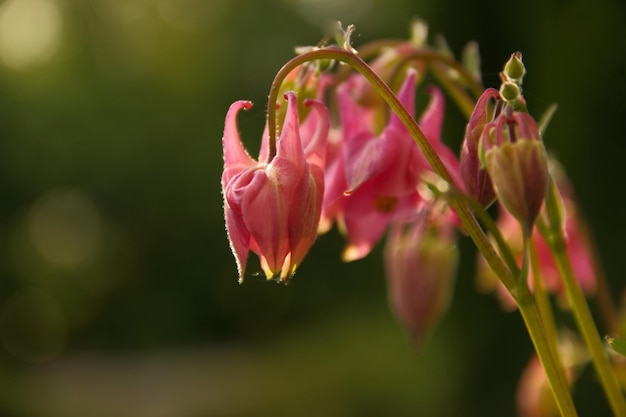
[470, 223]
[554, 235]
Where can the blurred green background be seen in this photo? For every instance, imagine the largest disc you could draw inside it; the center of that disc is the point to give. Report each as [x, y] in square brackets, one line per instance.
[118, 292]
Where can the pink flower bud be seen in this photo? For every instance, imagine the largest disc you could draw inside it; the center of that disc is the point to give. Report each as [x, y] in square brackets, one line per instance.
[475, 177]
[273, 207]
[420, 262]
[516, 160]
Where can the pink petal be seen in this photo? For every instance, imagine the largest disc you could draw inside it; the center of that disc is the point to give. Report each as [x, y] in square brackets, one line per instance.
[264, 212]
[355, 119]
[315, 142]
[236, 158]
[304, 214]
[239, 239]
[366, 157]
[364, 224]
[289, 144]
[431, 120]
[404, 164]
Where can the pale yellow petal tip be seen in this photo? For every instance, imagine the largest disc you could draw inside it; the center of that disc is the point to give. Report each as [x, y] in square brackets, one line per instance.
[351, 253]
[288, 274]
[324, 226]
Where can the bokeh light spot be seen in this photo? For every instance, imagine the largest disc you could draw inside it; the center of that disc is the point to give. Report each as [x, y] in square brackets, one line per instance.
[30, 32]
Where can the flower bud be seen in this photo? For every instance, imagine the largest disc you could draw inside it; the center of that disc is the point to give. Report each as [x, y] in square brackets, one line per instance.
[514, 68]
[475, 177]
[510, 91]
[516, 160]
[420, 264]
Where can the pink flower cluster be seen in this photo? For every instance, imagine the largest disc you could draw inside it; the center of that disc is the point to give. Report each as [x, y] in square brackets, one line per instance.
[357, 175]
[366, 174]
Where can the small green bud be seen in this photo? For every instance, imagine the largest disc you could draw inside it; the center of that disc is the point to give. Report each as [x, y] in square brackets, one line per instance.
[510, 91]
[514, 69]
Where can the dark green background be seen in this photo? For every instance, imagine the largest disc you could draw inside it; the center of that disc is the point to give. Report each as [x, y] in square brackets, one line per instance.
[111, 148]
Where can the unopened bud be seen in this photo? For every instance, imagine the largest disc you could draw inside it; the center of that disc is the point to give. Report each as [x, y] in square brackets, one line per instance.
[510, 91]
[475, 177]
[514, 68]
[516, 160]
[420, 263]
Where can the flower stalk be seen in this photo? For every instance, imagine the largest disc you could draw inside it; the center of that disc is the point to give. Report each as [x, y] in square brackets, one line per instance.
[553, 234]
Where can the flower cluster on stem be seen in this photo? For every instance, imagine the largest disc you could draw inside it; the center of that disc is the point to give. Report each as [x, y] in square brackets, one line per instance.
[373, 168]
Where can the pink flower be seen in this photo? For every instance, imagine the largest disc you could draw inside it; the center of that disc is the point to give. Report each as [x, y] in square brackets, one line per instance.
[420, 263]
[374, 178]
[272, 207]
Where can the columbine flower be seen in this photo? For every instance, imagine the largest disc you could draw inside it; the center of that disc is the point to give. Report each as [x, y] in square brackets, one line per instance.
[375, 177]
[272, 207]
[420, 263]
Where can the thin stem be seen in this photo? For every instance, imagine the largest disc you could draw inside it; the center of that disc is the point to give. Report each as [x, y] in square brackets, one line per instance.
[543, 301]
[585, 322]
[547, 355]
[487, 222]
[471, 225]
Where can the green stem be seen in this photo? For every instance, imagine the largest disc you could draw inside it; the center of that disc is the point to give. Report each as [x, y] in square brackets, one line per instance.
[584, 320]
[547, 355]
[543, 301]
[487, 222]
[471, 225]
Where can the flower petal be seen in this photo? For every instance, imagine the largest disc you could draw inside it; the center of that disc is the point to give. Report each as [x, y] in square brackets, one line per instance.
[236, 158]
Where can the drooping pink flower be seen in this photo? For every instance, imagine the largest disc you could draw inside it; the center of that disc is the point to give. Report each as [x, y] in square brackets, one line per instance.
[421, 259]
[373, 180]
[272, 207]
